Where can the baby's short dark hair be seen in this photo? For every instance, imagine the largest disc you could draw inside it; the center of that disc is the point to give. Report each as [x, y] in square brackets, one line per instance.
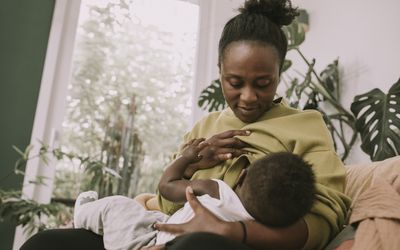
[279, 189]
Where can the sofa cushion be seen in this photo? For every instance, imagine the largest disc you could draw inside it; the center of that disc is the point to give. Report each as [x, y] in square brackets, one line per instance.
[360, 176]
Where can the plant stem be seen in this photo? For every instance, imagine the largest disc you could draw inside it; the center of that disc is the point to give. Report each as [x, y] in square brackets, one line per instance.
[349, 117]
[321, 89]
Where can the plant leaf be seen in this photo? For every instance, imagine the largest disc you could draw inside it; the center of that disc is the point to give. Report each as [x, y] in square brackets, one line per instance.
[28, 151]
[378, 122]
[330, 79]
[212, 98]
[299, 89]
[286, 65]
[112, 172]
[58, 153]
[44, 158]
[18, 150]
[295, 34]
[20, 166]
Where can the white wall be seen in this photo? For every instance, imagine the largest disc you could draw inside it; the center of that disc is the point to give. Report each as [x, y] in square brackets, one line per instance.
[365, 37]
[363, 34]
[213, 16]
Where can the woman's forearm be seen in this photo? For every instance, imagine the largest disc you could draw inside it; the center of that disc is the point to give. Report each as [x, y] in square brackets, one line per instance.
[259, 236]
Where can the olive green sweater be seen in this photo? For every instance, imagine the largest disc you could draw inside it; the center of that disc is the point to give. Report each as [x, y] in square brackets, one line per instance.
[283, 129]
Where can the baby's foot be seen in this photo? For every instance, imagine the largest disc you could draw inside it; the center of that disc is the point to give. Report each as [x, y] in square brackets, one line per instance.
[86, 197]
[82, 199]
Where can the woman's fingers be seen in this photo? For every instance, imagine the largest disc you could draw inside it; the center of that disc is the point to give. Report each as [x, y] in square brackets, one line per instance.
[227, 139]
[228, 142]
[232, 133]
[220, 153]
[196, 142]
[176, 229]
[192, 199]
[202, 221]
[220, 147]
[228, 153]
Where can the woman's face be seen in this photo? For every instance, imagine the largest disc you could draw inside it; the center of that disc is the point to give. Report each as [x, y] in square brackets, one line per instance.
[249, 78]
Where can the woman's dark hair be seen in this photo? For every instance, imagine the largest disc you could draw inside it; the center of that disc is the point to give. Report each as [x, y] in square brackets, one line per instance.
[259, 21]
[279, 189]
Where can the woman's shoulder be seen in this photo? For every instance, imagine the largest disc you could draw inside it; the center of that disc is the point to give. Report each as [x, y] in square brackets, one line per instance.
[216, 122]
[282, 110]
[205, 125]
[209, 118]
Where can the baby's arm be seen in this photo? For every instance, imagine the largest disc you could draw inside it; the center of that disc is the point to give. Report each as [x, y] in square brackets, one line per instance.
[172, 185]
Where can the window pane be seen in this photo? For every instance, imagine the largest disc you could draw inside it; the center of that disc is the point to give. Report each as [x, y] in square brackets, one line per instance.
[129, 101]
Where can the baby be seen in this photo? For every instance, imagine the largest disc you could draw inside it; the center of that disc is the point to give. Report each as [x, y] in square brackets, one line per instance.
[276, 190]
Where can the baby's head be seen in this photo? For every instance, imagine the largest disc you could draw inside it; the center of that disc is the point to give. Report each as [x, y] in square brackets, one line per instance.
[278, 189]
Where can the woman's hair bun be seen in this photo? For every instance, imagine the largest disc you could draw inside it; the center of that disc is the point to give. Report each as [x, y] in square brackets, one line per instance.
[278, 11]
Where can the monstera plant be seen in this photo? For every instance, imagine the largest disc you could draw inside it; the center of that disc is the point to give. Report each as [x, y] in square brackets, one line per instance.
[374, 115]
[378, 121]
[211, 98]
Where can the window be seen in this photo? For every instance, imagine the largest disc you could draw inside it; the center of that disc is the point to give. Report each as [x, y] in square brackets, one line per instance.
[129, 98]
[53, 106]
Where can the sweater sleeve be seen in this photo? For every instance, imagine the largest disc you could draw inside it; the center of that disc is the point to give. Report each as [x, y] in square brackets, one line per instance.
[328, 213]
[305, 133]
[166, 206]
[314, 144]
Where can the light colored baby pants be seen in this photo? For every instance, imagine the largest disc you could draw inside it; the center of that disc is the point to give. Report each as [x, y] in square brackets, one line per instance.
[123, 222]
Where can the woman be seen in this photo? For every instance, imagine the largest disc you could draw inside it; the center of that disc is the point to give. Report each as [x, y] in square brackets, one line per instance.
[252, 49]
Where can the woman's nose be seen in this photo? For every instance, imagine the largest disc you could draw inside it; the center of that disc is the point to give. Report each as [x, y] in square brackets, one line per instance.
[248, 95]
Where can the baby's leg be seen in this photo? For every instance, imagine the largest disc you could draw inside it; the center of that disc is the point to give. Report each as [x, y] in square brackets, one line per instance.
[128, 225]
[124, 223]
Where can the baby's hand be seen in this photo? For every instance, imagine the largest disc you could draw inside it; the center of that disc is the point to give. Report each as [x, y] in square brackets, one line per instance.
[192, 149]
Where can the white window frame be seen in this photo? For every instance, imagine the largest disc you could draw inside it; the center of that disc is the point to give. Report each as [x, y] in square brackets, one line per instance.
[53, 89]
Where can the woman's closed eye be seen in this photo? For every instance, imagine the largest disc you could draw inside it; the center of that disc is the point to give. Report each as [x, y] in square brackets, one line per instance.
[235, 83]
[262, 83]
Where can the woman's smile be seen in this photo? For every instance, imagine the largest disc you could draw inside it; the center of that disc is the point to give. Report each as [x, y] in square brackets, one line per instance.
[249, 111]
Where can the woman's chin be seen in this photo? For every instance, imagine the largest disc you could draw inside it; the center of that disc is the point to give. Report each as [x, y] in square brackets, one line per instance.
[248, 117]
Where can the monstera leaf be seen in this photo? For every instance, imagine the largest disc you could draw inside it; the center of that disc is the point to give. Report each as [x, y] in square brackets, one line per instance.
[378, 122]
[212, 98]
[295, 34]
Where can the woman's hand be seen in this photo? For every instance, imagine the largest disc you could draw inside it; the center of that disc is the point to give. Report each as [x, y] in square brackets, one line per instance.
[203, 220]
[218, 148]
